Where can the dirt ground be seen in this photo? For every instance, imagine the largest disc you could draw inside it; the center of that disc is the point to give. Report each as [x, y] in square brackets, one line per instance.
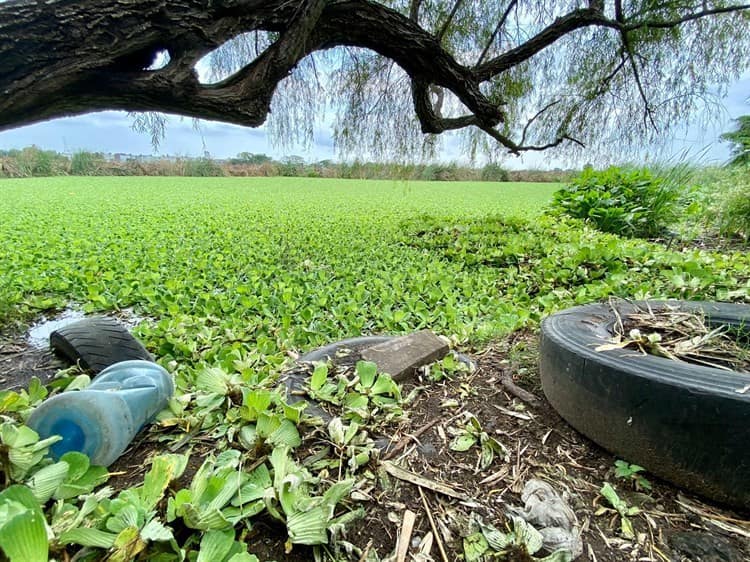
[539, 444]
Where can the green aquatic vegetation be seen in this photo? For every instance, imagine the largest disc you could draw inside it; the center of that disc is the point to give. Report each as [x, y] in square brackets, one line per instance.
[233, 276]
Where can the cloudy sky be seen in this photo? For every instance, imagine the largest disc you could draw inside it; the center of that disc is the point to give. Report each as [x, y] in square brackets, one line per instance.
[111, 132]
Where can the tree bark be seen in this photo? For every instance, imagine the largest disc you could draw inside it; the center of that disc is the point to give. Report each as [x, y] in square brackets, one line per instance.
[65, 57]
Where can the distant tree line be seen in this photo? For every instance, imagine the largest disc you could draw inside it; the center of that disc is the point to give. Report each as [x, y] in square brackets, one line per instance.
[33, 161]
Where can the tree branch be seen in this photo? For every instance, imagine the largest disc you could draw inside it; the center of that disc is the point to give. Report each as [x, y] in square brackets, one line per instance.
[60, 58]
[414, 10]
[430, 121]
[534, 118]
[628, 53]
[689, 17]
[561, 27]
[498, 27]
[440, 34]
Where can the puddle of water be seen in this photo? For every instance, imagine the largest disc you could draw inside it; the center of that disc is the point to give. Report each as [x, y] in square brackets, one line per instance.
[38, 334]
[128, 318]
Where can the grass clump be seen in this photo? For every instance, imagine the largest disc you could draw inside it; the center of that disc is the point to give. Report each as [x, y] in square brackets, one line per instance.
[734, 211]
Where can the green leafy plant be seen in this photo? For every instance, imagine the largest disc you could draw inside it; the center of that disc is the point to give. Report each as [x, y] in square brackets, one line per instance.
[631, 202]
[351, 443]
[307, 517]
[470, 434]
[620, 508]
[521, 540]
[361, 398]
[231, 281]
[127, 524]
[23, 531]
[21, 450]
[213, 501]
[632, 472]
[740, 140]
[70, 477]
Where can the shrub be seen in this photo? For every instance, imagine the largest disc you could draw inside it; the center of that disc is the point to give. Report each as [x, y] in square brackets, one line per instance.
[84, 163]
[202, 167]
[494, 172]
[627, 201]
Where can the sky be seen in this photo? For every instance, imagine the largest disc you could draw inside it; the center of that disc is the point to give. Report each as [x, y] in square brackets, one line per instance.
[110, 131]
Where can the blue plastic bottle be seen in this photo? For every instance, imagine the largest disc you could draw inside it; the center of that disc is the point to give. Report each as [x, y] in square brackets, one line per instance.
[102, 419]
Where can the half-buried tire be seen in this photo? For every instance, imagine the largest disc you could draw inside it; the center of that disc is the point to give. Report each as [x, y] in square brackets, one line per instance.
[96, 343]
[686, 423]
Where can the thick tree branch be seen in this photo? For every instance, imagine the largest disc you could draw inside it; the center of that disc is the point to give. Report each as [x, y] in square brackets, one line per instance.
[60, 57]
[559, 28]
[430, 121]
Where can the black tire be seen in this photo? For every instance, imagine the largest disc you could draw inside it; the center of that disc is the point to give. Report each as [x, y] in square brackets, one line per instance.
[328, 352]
[685, 423]
[96, 343]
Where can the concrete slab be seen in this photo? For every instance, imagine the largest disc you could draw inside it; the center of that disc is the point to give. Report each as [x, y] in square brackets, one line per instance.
[400, 357]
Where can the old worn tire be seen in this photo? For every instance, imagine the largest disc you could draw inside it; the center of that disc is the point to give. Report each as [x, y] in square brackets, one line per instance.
[96, 343]
[686, 423]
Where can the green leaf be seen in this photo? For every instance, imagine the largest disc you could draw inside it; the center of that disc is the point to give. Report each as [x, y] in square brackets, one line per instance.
[11, 401]
[78, 383]
[366, 371]
[23, 532]
[561, 555]
[243, 557]
[385, 385]
[164, 469]
[79, 483]
[286, 434]
[527, 535]
[627, 528]
[475, 546]
[36, 390]
[88, 537]
[254, 488]
[319, 376]
[18, 436]
[215, 545]
[128, 544]
[463, 442]
[78, 462]
[255, 403]
[45, 481]
[248, 436]
[308, 527]
[611, 496]
[156, 531]
[293, 412]
[213, 381]
[336, 431]
[496, 540]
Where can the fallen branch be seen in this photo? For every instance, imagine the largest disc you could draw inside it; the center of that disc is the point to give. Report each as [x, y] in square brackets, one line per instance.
[524, 395]
[407, 476]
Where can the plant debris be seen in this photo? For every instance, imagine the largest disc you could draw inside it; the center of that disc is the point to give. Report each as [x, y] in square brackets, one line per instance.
[680, 335]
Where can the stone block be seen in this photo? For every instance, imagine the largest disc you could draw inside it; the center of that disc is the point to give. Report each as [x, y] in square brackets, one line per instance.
[400, 357]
